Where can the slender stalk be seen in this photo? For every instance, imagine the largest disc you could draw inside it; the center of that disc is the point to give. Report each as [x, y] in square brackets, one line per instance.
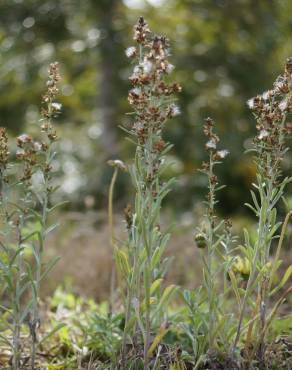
[127, 317]
[210, 251]
[35, 322]
[45, 167]
[147, 283]
[17, 303]
[208, 236]
[117, 164]
[110, 205]
[112, 237]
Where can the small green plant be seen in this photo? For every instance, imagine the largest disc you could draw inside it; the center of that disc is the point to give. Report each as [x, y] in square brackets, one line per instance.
[269, 147]
[209, 319]
[211, 326]
[211, 236]
[140, 260]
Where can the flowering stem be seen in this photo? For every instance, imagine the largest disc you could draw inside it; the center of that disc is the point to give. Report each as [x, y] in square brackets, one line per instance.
[45, 169]
[207, 237]
[110, 205]
[270, 111]
[210, 251]
[148, 99]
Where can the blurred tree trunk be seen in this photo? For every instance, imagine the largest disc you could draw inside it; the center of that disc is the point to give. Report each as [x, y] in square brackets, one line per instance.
[108, 98]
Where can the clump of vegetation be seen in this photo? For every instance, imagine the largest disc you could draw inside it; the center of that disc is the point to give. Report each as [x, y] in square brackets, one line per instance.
[271, 111]
[26, 188]
[227, 323]
[208, 306]
[141, 261]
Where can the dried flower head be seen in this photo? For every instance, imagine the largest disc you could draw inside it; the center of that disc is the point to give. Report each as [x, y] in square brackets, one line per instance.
[208, 167]
[267, 94]
[211, 144]
[213, 140]
[169, 68]
[263, 134]
[4, 151]
[56, 107]
[288, 66]
[128, 213]
[118, 164]
[284, 105]
[270, 110]
[37, 146]
[141, 31]
[146, 66]
[221, 154]
[159, 146]
[51, 108]
[251, 103]
[174, 110]
[131, 52]
[52, 83]
[149, 96]
[200, 240]
[23, 139]
[27, 154]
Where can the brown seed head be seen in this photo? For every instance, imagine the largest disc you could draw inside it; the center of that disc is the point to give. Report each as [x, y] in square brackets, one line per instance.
[141, 31]
[288, 67]
[4, 152]
[128, 213]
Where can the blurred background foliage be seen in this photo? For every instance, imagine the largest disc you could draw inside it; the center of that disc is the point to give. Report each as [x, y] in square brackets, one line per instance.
[225, 51]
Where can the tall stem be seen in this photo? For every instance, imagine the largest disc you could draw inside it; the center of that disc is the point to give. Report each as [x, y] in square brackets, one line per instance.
[16, 285]
[112, 235]
[39, 251]
[210, 251]
[17, 303]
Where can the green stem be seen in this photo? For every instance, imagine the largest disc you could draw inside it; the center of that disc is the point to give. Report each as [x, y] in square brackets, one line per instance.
[110, 206]
[210, 241]
[147, 283]
[39, 248]
[112, 235]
